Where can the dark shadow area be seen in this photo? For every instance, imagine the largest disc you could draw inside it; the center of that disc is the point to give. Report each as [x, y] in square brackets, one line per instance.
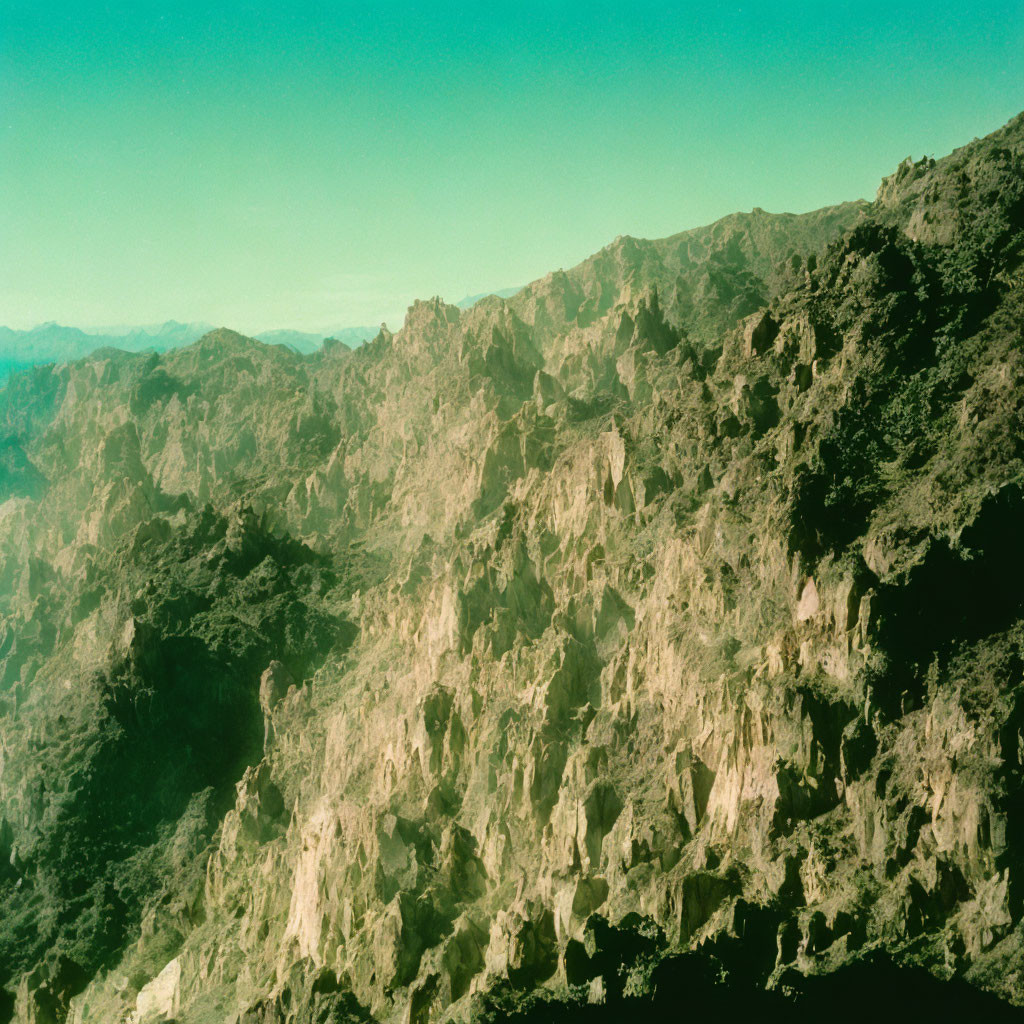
[690, 988]
[955, 597]
[621, 973]
[19, 478]
[179, 721]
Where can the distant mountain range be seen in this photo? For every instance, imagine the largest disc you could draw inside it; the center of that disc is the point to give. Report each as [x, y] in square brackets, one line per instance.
[57, 343]
[502, 293]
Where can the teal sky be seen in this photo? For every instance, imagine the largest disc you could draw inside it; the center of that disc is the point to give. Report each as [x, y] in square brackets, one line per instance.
[320, 164]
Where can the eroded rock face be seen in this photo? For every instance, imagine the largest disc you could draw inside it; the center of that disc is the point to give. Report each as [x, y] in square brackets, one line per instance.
[657, 625]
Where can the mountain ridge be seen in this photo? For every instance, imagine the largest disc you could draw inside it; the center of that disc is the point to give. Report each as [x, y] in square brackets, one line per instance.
[53, 342]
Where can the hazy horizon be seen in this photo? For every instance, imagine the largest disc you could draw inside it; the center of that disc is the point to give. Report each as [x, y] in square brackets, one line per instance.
[305, 167]
[113, 330]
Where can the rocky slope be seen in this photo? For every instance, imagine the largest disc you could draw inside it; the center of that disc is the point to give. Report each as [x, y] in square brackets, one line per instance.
[648, 639]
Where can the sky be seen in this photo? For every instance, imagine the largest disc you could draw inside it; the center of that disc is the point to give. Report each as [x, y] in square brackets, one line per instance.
[314, 165]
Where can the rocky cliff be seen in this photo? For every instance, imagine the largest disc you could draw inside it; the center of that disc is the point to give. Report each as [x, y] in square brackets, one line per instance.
[650, 639]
